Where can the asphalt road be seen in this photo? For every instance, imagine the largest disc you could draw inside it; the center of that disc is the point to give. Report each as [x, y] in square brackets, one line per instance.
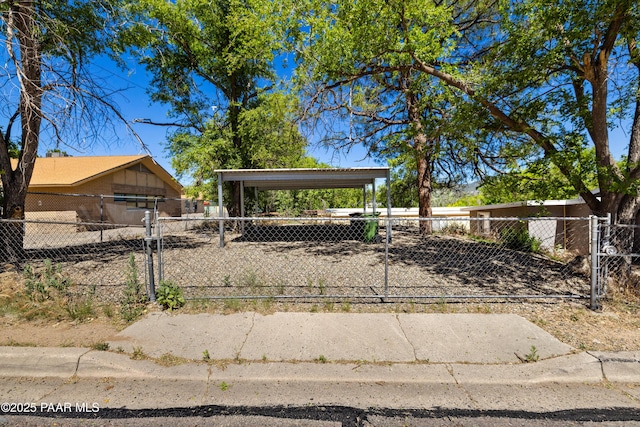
[320, 416]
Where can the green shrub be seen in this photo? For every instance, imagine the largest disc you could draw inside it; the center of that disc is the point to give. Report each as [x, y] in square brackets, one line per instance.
[80, 309]
[134, 301]
[46, 284]
[169, 295]
[455, 228]
[518, 238]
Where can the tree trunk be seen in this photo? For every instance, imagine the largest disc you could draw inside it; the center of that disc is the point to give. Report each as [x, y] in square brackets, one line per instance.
[20, 24]
[422, 152]
[234, 206]
[12, 230]
[424, 192]
[12, 240]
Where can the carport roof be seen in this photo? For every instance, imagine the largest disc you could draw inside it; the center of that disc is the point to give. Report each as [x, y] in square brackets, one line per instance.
[304, 179]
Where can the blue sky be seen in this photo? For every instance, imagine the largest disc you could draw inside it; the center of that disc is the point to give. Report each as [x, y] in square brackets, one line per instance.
[135, 104]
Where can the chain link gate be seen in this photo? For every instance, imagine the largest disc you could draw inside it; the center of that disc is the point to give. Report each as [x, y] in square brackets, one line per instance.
[335, 259]
[616, 258]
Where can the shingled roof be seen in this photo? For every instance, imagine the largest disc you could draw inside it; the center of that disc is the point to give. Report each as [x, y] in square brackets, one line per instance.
[74, 171]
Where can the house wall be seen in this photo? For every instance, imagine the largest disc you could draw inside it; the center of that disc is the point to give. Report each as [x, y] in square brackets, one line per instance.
[115, 212]
[571, 235]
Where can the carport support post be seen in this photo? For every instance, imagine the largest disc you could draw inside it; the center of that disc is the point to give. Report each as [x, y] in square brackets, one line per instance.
[220, 214]
[242, 206]
[373, 196]
[594, 305]
[148, 239]
[364, 199]
[389, 208]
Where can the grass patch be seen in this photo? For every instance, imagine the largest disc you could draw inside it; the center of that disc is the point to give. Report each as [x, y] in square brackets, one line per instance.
[13, 343]
[100, 346]
[168, 359]
[232, 305]
[46, 293]
[138, 354]
[80, 309]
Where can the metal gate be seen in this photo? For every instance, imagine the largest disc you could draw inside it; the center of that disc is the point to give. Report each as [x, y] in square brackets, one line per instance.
[617, 257]
[335, 259]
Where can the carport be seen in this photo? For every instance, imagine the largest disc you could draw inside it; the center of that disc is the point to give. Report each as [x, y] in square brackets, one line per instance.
[302, 179]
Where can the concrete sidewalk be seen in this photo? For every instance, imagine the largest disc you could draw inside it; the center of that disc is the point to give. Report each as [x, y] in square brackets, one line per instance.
[421, 360]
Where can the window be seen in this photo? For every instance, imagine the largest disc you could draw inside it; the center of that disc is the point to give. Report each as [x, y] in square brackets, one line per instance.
[137, 201]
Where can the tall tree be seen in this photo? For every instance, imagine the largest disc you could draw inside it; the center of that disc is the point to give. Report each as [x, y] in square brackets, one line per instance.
[538, 180]
[562, 73]
[353, 64]
[212, 62]
[47, 46]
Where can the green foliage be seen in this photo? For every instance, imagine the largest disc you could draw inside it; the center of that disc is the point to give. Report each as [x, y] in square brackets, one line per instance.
[295, 202]
[212, 63]
[80, 309]
[44, 285]
[134, 301]
[540, 180]
[518, 238]
[404, 183]
[49, 294]
[358, 77]
[100, 346]
[455, 228]
[138, 353]
[533, 355]
[470, 200]
[169, 295]
[13, 150]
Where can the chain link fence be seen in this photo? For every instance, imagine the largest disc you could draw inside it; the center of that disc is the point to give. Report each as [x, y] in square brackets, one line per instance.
[618, 256]
[87, 238]
[362, 257]
[377, 258]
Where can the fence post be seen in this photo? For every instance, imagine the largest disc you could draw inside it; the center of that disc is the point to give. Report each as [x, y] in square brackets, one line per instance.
[101, 215]
[159, 248]
[148, 239]
[387, 240]
[595, 297]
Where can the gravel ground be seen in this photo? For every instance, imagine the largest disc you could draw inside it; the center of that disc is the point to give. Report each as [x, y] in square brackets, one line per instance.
[317, 262]
[435, 267]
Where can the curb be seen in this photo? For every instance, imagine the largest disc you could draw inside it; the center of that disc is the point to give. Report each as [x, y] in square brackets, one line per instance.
[585, 367]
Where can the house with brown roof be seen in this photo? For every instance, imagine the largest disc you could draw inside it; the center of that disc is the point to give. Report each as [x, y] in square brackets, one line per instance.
[109, 189]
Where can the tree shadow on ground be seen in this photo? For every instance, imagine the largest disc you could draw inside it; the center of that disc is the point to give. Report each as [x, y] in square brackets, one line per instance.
[302, 233]
[490, 266]
[451, 262]
[108, 250]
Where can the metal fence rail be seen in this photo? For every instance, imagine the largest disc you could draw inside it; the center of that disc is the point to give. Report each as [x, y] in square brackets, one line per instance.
[323, 258]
